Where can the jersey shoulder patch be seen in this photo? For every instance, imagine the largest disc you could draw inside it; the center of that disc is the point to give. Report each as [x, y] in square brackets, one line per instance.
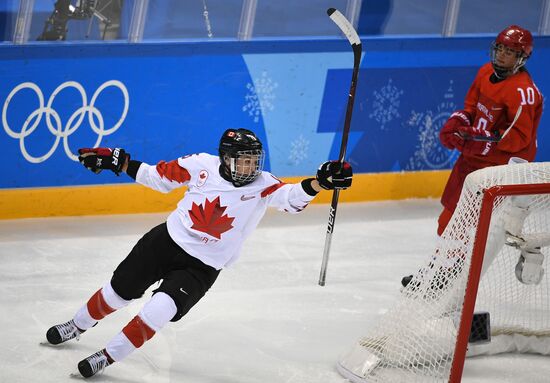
[172, 171]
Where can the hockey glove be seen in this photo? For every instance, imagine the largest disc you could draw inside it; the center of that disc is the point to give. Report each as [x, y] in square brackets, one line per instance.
[478, 142]
[97, 159]
[449, 134]
[334, 175]
[477, 134]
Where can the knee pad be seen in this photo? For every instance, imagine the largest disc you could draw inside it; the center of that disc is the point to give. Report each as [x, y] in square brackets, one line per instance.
[160, 309]
[112, 298]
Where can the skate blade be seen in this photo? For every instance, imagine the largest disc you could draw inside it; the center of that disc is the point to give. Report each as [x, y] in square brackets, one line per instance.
[67, 345]
[48, 344]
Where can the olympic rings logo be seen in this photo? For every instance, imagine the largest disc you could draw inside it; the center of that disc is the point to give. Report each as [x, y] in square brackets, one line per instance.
[53, 121]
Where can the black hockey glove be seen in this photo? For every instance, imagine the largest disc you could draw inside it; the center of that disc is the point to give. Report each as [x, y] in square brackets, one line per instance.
[97, 159]
[334, 175]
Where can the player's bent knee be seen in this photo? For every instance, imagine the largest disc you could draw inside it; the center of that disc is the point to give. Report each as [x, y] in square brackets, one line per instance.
[184, 296]
[158, 311]
[125, 290]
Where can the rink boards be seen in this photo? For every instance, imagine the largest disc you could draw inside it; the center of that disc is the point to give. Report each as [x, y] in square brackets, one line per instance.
[163, 100]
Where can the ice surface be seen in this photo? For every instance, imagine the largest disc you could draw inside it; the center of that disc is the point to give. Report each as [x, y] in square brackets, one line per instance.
[265, 319]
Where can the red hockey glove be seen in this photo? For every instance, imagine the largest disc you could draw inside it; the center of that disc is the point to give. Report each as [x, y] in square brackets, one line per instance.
[478, 142]
[449, 134]
[478, 148]
[477, 134]
[97, 159]
[334, 175]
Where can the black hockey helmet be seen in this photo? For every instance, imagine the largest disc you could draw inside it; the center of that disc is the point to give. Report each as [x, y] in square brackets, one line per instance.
[241, 155]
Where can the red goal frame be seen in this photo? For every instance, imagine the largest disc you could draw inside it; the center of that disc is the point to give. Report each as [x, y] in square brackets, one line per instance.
[482, 232]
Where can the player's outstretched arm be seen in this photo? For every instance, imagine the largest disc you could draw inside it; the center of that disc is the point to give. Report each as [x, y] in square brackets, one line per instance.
[98, 159]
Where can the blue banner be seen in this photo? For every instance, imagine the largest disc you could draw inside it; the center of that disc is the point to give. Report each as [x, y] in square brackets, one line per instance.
[397, 116]
[164, 100]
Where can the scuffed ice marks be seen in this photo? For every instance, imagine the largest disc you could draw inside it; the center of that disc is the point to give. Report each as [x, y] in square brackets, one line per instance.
[260, 97]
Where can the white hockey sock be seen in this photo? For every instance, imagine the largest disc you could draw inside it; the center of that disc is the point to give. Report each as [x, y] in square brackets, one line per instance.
[119, 347]
[112, 298]
[102, 303]
[156, 313]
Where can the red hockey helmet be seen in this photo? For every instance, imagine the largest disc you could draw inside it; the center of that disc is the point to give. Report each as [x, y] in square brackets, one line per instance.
[513, 38]
[517, 38]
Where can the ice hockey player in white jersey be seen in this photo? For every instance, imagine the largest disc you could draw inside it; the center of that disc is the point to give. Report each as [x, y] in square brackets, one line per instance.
[226, 198]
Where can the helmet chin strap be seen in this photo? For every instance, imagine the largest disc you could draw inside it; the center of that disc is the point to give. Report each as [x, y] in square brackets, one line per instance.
[225, 171]
[501, 72]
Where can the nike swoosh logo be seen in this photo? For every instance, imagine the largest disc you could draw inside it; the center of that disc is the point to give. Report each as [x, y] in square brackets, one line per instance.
[247, 197]
[183, 291]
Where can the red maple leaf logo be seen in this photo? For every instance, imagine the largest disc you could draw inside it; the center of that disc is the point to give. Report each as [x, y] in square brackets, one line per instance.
[210, 219]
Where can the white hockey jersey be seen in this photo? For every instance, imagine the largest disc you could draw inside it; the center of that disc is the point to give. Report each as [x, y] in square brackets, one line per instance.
[214, 217]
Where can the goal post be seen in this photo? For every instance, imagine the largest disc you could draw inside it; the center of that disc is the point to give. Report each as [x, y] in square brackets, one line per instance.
[478, 252]
[479, 264]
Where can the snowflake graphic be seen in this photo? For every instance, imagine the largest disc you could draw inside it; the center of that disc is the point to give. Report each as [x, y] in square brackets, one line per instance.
[429, 153]
[386, 104]
[298, 150]
[259, 98]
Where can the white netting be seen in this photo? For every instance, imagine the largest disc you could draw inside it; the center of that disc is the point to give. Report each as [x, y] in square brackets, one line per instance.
[415, 340]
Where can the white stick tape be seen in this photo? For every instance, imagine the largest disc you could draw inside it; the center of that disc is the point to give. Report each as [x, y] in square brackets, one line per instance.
[344, 25]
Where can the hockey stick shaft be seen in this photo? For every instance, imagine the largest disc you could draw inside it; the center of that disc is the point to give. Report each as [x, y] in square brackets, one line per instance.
[497, 139]
[513, 122]
[350, 33]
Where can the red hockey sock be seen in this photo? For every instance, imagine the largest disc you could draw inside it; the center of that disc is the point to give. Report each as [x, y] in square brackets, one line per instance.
[97, 307]
[138, 332]
[443, 220]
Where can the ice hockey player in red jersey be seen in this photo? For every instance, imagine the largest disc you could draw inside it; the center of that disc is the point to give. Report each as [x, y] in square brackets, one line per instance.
[226, 198]
[501, 114]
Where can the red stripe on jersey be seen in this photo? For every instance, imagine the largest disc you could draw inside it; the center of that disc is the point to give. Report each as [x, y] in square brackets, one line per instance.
[97, 307]
[138, 332]
[172, 171]
[272, 189]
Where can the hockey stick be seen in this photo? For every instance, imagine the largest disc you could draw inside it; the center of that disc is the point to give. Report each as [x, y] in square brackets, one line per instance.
[497, 138]
[355, 42]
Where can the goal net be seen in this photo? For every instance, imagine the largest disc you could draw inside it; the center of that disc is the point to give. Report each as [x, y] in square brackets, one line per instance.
[498, 235]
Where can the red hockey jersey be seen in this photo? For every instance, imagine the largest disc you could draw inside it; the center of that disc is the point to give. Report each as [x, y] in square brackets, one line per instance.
[515, 101]
[511, 107]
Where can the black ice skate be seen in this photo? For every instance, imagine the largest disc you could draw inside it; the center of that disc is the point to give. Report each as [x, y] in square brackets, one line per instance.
[94, 363]
[63, 332]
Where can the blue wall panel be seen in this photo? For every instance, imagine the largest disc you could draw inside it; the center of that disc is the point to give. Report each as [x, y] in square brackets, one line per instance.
[397, 109]
[164, 100]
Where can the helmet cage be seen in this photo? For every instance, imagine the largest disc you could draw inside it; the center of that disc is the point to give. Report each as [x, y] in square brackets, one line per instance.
[241, 155]
[521, 59]
[244, 165]
[512, 39]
